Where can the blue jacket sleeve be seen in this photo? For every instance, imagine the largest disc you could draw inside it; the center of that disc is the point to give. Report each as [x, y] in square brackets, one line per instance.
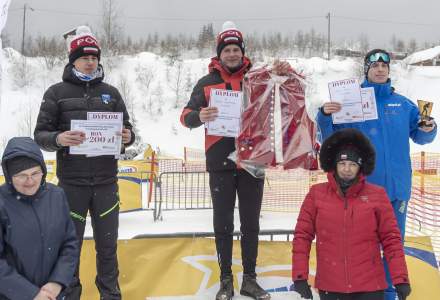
[325, 126]
[68, 258]
[12, 284]
[417, 135]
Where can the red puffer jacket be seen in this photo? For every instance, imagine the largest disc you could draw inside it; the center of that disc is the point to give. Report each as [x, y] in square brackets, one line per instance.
[349, 233]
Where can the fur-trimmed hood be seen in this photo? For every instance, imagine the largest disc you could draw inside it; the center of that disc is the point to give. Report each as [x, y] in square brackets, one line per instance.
[347, 137]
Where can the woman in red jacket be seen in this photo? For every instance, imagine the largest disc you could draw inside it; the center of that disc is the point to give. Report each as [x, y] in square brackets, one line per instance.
[352, 220]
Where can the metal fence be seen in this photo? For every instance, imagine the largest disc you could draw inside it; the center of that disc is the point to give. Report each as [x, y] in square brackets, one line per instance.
[185, 185]
[181, 190]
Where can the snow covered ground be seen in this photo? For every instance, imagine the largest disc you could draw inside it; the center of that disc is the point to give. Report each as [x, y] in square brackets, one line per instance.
[188, 221]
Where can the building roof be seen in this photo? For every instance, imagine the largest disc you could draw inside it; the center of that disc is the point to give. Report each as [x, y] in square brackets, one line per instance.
[424, 55]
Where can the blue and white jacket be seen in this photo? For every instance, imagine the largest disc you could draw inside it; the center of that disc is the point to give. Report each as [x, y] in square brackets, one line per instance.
[397, 122]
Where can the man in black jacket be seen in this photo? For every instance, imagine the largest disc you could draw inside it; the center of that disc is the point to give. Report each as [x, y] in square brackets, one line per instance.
[90, 182]
[38, 245]
[226, 180]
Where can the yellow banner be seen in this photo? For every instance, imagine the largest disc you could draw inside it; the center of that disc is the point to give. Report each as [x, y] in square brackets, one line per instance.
[132, 174]
[165, 267]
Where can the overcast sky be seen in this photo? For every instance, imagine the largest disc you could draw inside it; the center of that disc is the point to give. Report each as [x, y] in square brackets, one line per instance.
[379, 19]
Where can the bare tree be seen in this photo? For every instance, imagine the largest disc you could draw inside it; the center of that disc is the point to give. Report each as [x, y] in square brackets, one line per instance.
[22, 72]
[393, 42]
[144, 77]
[412, 46]
[126, 93]
[273, 44]
[189, 84]
[52, 50]
[28, 117]
[112, 30]
[300, 41]
[156, 100]
[171, 48]
[364, 43]
[6, 40]
[400, 47]
[206, 40]
[176, 82]
[3, 143]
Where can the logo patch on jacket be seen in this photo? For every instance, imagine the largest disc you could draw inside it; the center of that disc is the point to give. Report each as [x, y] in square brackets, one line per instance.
[394, 104]
[105, 98]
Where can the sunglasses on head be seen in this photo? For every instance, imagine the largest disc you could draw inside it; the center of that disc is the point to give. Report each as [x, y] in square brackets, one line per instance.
[379, 56]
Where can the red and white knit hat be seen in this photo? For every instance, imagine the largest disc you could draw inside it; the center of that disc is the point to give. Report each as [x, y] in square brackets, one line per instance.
[81, 42]
[229, 35]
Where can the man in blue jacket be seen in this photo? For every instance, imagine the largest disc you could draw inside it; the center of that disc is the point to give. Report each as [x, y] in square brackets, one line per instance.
[398, 121]
[38, 246]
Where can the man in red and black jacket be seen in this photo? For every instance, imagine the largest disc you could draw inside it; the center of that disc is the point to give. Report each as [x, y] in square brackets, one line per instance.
[226, 71]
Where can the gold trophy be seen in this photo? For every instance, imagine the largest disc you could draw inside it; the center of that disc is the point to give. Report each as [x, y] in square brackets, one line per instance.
[425, 108]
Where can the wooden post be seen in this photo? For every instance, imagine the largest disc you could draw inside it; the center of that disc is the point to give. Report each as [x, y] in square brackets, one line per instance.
[152, 175]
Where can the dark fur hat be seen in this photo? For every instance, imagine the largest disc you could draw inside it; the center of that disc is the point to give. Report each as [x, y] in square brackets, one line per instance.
[352, 138]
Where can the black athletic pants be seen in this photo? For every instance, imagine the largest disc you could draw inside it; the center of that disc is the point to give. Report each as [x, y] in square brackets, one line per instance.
[376, 295]
[103, 203]
[225, 185]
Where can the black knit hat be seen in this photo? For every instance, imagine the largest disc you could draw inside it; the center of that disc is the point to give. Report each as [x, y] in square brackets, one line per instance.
[347, 139]
[20, 163]
[349, 153]
[368, 62]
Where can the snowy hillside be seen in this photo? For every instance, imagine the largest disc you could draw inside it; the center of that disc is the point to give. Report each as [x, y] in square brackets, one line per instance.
[156, 89]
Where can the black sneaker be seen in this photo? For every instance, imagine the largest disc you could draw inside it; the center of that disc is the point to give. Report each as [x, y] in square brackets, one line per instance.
[226, 291]
[250, 288]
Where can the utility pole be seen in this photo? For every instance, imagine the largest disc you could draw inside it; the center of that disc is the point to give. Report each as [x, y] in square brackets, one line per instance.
[24, 26]
[328, 37]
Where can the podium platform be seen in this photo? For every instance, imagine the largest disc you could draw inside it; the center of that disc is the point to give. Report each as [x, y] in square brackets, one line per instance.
[207, 296]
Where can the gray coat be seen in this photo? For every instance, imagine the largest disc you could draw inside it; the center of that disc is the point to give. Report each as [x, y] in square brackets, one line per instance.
[38, 242]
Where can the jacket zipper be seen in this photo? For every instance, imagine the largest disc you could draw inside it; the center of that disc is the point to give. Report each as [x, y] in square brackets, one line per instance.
[345, 241]
[88, 109]
[87, 94]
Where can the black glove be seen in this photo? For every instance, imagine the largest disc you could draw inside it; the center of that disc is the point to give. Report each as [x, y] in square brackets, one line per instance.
[403, 290]
[302, 287]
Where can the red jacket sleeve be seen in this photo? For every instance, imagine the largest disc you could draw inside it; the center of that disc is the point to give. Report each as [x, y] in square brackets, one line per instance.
[303, 237]
[391, 241]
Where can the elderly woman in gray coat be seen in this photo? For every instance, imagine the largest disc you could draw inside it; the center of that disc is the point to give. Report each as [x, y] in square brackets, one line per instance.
[38, 244]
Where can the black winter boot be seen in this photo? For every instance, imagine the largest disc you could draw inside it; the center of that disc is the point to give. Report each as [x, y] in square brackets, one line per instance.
[250, 288]
[226, 291]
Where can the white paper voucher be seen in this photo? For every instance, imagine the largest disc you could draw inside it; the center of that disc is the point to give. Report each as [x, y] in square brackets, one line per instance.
[229, 105]
[103, 134]
[348, 93]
